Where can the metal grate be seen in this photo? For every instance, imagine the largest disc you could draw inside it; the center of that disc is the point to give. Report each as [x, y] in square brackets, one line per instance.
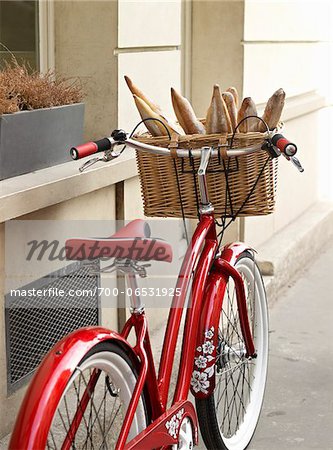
[35, 323]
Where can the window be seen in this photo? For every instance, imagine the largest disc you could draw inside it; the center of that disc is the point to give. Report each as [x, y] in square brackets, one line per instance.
[19, 29]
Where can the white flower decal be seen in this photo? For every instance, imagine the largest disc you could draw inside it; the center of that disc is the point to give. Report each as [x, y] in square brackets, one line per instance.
[208, 347]
[174, 423]
[205, 363]
[172, 427]
[199, 382]
[180, 413]
[210, 371]
[209, 333]
[201, 362]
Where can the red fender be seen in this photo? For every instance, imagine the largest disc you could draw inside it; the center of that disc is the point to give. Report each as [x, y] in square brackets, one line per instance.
[203, 377]
[231, 252]
[46, 388]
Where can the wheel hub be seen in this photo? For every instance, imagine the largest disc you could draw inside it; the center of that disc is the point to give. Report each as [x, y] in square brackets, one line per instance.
[231, 353]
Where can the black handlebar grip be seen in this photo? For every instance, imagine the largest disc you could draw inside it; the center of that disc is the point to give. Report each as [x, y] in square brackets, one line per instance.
[89, 148]
[285, 146]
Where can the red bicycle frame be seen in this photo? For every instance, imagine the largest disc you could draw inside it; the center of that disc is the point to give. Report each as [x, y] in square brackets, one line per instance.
[210, 277]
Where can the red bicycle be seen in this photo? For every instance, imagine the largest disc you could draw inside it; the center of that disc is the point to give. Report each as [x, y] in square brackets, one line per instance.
[95, 390]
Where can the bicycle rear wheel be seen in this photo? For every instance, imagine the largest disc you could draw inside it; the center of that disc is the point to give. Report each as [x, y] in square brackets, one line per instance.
[92, 408]
[228, 418]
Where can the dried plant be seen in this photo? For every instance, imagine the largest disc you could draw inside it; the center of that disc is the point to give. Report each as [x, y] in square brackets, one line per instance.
[21, 89]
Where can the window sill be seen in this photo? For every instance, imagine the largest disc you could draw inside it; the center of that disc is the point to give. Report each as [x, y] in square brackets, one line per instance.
[33, 191]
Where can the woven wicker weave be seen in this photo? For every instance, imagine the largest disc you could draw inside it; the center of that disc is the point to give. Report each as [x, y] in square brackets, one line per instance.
[168, 183]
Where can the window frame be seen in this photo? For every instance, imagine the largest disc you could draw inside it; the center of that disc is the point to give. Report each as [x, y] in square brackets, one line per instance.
[46, 44]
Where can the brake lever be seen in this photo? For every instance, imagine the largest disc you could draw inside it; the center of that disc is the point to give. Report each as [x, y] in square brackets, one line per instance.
[108, 156]
[297, 163]
[89, 163]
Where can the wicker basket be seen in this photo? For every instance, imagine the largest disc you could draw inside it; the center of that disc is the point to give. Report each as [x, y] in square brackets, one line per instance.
[238, 186]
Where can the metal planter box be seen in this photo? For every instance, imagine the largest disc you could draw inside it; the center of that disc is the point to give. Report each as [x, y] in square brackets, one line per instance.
[33, 140]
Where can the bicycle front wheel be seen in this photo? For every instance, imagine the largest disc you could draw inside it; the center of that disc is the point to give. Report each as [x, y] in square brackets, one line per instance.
[228, 418]
[92, 409]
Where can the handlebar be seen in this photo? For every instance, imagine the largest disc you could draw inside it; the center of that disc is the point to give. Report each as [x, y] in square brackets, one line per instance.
[119, 137]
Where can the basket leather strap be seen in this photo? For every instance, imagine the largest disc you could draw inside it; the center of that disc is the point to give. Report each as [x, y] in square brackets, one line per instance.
[221, 146]
[173, 145]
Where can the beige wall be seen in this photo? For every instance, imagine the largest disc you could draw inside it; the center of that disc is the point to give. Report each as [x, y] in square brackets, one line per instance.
[85, 39]
[149, 51]
[101, 41]
[217, 52]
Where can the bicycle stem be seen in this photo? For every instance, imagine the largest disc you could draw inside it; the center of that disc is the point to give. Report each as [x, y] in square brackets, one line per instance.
[205, 207]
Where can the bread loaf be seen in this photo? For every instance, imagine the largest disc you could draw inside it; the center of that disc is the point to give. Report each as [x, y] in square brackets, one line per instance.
[136, 91]
[217, 118]
[185, 114]
[153, 126]
[234, 92]
[273, 110]
[248, 108]
[229, 100]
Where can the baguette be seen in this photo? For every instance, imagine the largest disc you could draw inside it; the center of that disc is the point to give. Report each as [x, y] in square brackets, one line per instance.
[136, 91]
[234, 92]
[217, 118]
[248, 108]
[185, 114]
[154, 127]
[273, 110]
[229, 100]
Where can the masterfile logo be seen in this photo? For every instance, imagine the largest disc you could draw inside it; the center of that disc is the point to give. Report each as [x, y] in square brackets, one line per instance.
[139, 249]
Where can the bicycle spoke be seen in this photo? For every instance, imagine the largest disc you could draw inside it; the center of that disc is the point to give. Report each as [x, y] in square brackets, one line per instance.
[230, 405]
[234, 406]
[69, 422]
[48, 444]
[240, 410]
[62, 421]
[92, 402]
[111, 423]
[104, 407]
[225, 409]
[103, 402]
[78, 405]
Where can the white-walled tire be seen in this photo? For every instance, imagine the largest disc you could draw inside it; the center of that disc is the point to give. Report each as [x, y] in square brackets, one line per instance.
[108, 401]
[228, 418]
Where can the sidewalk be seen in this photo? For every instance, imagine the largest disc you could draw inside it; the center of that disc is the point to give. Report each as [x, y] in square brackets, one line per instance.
[298, 407]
